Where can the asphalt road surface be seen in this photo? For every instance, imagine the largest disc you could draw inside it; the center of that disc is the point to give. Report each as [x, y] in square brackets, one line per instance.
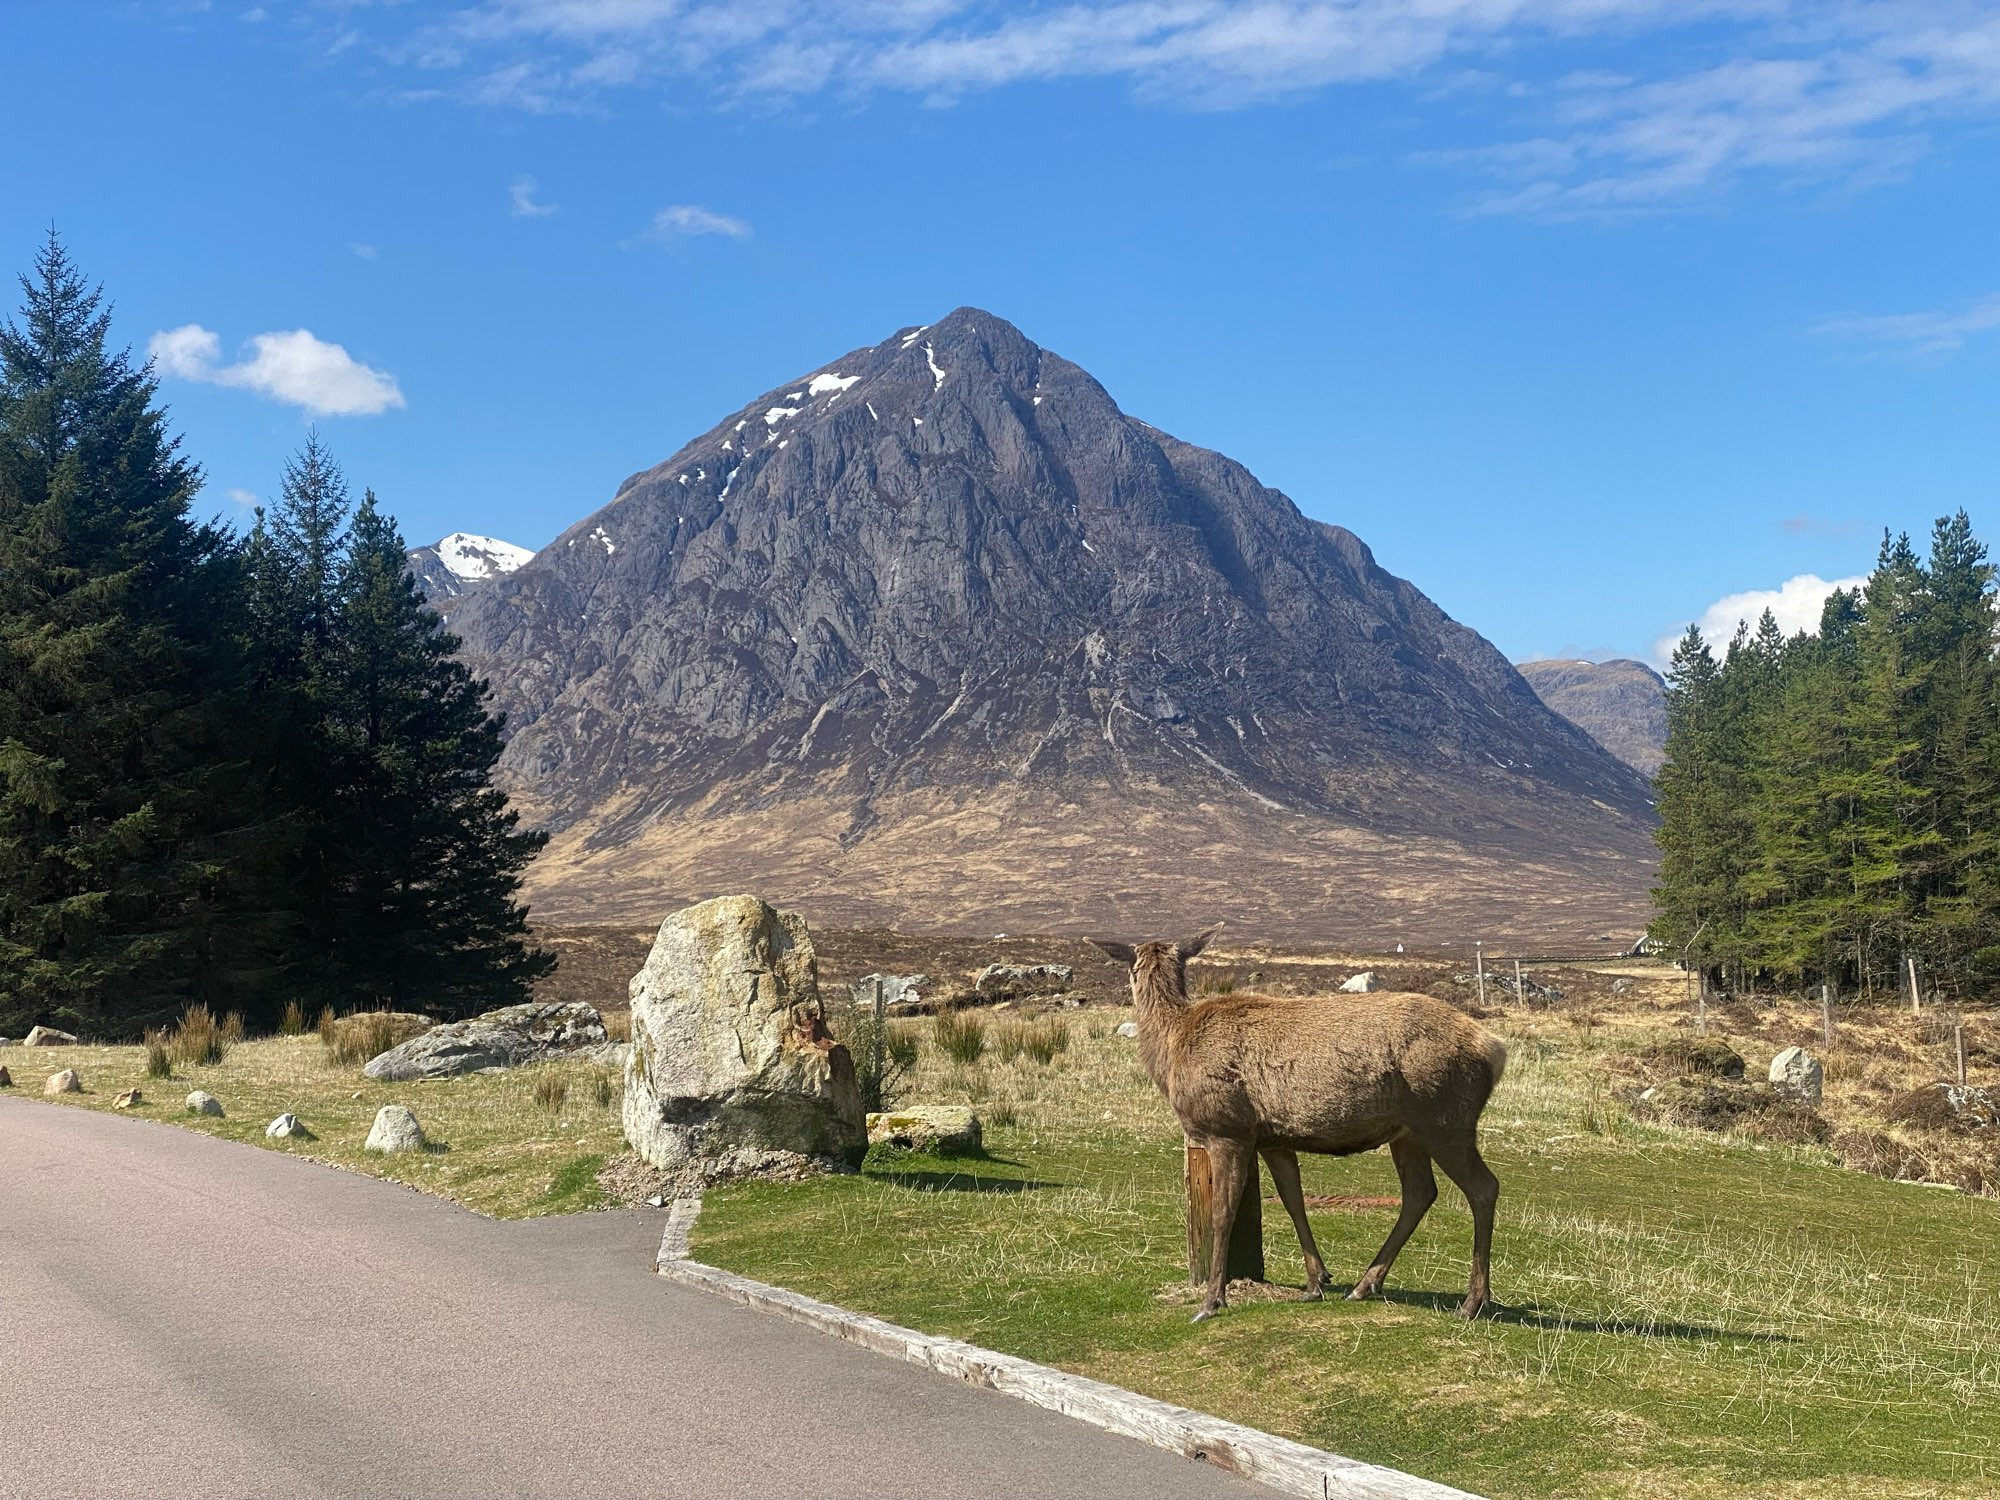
[185, 1316]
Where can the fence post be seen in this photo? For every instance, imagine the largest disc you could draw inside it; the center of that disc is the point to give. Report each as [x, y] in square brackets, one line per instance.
[1479, 966]
[1520, 984]
[878, 1046]
[1826, 1012]
[1958, 1045]
[1245, 1250]
[1915, 1007]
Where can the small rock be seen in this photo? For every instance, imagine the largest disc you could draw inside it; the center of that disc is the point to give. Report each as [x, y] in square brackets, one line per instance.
[897, 989]
[1797, 1072]
[129, 1099]
[202, 1102]
[6, 1079]
[48, 1036]
[1361, 984]
[941, 1129]
[65, 1082]
[288, 1126]
[656, 1201]
[396, 1129]
[1620, 986]
[1129, 1030]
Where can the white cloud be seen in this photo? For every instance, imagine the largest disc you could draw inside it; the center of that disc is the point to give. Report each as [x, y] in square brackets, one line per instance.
[1932, 333]
[293, 367]
[681, 220]
[246, 498]
[364, 252]
[1795, 604]
[1665, 101]
[522, 192]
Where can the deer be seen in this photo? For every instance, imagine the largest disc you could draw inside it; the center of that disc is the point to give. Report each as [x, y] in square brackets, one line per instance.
[1250, 1074]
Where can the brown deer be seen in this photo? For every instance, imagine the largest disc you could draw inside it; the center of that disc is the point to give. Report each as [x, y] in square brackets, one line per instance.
[1250, 1074]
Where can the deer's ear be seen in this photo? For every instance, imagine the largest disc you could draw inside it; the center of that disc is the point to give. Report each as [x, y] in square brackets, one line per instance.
[1124, 953]
[1191, 947]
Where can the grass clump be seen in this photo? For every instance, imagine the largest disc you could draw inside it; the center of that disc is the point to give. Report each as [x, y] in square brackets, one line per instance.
[293, 1021]
[1039, 1040]
[199, 1040]
[362, 1035]
[959, 1036]
[551, 1091]
[604, 1088]
[159, 1063]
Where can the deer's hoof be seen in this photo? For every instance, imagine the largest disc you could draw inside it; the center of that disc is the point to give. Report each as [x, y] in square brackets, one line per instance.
[1313, 1294]
[1363, 1291]
[1472, 1307]
[1205, 1314]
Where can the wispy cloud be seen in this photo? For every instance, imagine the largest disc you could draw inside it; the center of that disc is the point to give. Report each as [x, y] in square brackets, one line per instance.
[1587, 108]
[680, 221]
[363, 251]
[293, 367]
[248, 499]
[1924, 333]
[522, 193]
[1804, 525]
[1795, 604]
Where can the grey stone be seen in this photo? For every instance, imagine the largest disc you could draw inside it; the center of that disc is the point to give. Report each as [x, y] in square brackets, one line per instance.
[733, 1072]
[505, 1038]
[1620, 986]
[897, 989]
[1797, 1072]
[395, 1129]
[941, 1129]
[48, 1036]
[1022, 979]
[288, 1126]
[65, 1082]
[1361, 984]
[201, 1102]
[1129, 1030]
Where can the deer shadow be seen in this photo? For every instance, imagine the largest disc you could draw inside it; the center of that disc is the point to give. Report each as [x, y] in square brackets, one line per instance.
[922, 1180]
[1534, 1315]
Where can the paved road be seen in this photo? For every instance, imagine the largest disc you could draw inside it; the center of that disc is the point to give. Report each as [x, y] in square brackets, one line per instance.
[187, 1316]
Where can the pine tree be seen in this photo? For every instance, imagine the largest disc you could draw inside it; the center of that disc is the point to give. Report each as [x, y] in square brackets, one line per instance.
[132, 831]
[432, 853]
[1697, 889]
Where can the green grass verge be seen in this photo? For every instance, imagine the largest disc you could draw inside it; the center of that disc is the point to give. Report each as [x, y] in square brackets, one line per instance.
[495, 1148]
[1683, 1314]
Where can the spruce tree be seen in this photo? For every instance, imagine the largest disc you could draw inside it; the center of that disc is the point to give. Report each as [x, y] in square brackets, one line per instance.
[432, 853]
[1697, 889]
[132, 829]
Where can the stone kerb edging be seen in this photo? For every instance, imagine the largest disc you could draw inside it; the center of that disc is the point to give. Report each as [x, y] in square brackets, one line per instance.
[1293, 1468]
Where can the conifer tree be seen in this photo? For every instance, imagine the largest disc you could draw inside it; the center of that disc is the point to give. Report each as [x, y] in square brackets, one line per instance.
[433, 855]
[132, 835]
[1695, 889]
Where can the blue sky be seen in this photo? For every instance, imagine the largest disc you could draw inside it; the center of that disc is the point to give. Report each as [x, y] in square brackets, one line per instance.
[1587, 315]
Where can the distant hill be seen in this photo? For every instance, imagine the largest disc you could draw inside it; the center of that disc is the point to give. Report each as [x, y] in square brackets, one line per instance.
[1620, 704]
[452, 568]
[936, 635]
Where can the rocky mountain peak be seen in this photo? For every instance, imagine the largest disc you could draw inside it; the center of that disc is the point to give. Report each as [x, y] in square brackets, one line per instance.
[461, 562]
[945, 573]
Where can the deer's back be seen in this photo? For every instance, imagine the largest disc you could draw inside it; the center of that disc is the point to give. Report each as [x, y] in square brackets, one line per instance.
[1326, 1073]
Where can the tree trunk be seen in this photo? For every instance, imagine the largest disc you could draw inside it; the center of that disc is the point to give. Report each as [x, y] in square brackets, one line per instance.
[1246, 1235]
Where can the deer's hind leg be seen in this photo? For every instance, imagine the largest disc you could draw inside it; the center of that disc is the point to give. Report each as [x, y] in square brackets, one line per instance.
[1284, 1165]
[1420, 1190]
[1459, 1157]
[1230, 1164]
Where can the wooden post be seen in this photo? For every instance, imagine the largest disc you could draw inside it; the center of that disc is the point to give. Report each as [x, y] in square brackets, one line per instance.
[1826, 1013]
[1479, 965]
[1915, 1007]
[1701, 1003]
[1246, 1235]
[1958, 1045]
[1520, 988]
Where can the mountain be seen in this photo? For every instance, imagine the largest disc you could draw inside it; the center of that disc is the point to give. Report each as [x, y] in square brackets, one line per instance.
[1620, 704]
[460, 563]
[937, 635]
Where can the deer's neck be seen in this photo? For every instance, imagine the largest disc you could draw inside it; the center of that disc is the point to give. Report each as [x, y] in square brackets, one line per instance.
[1159, 1001]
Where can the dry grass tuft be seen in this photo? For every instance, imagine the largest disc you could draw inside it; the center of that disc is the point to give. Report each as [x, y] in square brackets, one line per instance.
[293, 1021]
[604, 1088]
[1041, 1040]
[552, 1091]
[199, 1040]
[960, 1036]
[159, 1063]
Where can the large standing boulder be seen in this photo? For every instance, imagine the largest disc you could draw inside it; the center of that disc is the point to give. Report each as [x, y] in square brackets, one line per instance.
[505, 1038]
[733, 1072]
